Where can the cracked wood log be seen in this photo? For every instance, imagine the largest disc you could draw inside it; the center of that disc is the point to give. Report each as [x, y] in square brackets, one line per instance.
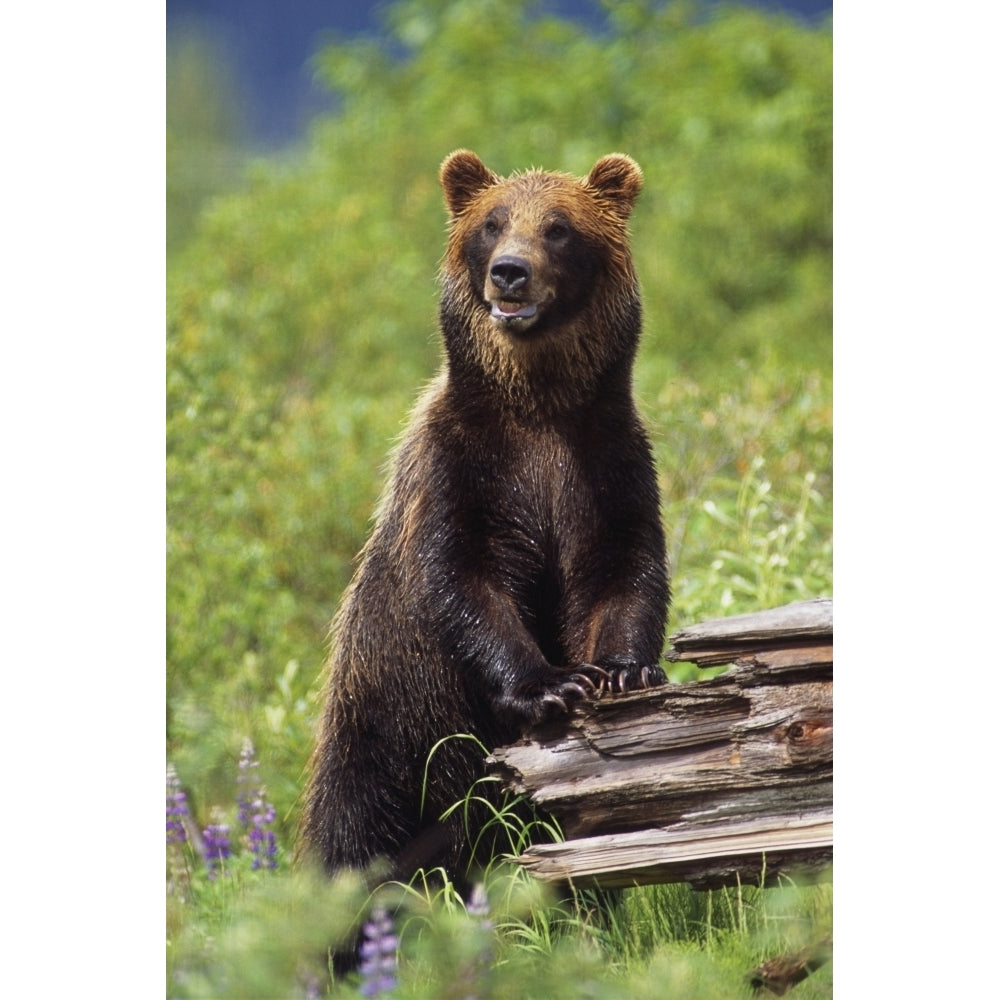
[707, 782]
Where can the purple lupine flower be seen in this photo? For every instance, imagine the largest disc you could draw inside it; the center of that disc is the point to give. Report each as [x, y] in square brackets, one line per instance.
[178, 873]
[177, 810]
[256, 814]
[311, 984]
[246, 782]
[261, 837]
[217, 848]
[378, 955]
[478, 907]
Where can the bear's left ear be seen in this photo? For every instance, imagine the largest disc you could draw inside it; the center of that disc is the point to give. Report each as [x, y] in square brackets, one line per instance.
[463, 176]
[618, 179]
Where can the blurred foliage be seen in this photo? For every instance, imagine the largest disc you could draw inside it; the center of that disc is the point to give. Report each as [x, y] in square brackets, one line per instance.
[302, 324]
[265, 935]
[206, 129]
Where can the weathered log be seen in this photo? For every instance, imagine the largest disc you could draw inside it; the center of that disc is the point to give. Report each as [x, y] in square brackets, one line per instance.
[722, 640]
[703, 854]
[703, 782]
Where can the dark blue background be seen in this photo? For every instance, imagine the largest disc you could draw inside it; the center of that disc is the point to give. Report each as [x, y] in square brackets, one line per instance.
[269, 42]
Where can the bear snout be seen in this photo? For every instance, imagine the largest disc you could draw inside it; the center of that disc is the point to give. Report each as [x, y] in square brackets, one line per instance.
[510, 274]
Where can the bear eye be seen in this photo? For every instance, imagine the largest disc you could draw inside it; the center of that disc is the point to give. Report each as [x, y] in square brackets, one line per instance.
[557, 231]
[491, 227]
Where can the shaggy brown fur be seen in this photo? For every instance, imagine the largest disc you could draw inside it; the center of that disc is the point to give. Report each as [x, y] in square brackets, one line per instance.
[517, 563]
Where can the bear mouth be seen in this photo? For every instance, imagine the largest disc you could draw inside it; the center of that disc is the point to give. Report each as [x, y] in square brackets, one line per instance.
[508, 311]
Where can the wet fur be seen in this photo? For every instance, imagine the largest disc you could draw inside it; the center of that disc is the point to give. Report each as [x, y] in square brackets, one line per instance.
[517, 563]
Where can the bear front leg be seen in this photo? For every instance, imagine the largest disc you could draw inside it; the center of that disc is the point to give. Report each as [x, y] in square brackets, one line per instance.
[622, 630]
[507, 666]
[499, 660]
[625, 641]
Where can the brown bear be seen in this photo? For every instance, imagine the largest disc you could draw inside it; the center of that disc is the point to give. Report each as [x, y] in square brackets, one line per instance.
[517, 564]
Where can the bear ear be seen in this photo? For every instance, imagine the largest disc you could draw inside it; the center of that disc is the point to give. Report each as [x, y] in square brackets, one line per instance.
[618, 179]
[463, 176]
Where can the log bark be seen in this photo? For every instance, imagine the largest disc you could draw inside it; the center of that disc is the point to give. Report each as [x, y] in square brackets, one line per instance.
[706, 855]
[722, 640]
[801, 620]
[706, 782]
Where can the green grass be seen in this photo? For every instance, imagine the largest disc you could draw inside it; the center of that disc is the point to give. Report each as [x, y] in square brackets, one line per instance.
[245, 933]
[264, 934]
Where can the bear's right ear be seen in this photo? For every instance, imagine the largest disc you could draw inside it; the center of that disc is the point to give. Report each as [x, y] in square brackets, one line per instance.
[463, 176]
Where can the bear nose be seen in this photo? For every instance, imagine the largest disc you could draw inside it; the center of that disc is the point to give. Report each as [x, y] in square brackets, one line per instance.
[510, 273]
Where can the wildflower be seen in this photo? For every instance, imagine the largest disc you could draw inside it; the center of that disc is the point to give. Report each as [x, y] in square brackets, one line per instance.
[217, 849]
[256, 814]
[479, 906]
[475, 971]
[263, 844]
[246, 782]
[177, 810]
[378, 955]
[310, 984]
[178, 874]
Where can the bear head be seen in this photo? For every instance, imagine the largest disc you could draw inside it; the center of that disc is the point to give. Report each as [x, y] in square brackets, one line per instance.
[538, 282]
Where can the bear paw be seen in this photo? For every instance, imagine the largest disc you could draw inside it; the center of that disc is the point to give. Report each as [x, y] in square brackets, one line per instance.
[586, 681]
[555, 694]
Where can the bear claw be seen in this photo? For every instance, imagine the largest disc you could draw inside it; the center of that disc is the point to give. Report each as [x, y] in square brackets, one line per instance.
[634, 677]
[566, 693]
